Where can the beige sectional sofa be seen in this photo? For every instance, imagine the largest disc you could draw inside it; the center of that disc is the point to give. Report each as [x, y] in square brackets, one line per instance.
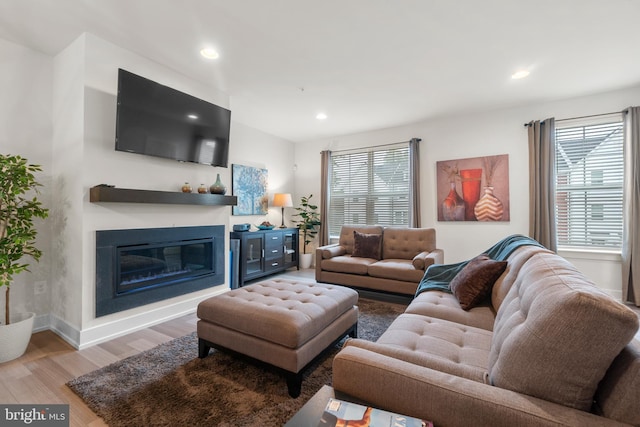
[547, 348]
[403, 257]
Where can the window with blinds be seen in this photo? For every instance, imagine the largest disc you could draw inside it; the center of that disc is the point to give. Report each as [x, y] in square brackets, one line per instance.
[589, 185]
[369, 187]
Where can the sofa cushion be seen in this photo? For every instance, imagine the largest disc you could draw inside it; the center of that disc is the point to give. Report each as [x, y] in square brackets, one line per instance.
[439, 344]
[556, 333]
[445, 306]
[406, 243]
[367, 245]
[398, 269]
[346, 234]
[516, 260]
[474, 282]
[347, 264]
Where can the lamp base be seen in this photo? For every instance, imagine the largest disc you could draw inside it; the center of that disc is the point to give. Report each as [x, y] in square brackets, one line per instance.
[282, 225]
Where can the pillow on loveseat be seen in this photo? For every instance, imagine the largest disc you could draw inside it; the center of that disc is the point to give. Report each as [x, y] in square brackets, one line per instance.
[556, 334]
[474, 282]
[367, 245]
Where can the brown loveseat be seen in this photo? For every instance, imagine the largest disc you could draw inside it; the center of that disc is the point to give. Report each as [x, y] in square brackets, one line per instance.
[399, 264]
[546, 348]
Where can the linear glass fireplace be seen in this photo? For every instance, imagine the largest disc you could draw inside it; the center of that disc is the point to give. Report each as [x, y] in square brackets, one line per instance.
[141, 266]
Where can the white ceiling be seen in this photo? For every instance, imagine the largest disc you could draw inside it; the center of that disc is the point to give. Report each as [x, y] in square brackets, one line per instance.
[368, 64]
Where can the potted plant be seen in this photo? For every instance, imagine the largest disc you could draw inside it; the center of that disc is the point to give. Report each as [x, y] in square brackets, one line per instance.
[308, 225]
[17, 241]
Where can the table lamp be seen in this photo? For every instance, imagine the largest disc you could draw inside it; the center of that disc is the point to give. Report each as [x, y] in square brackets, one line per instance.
[282, 200]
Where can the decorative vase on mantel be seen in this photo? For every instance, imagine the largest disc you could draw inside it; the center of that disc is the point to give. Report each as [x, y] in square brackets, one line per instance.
[453, 207]
[218, 187]
[489, 207]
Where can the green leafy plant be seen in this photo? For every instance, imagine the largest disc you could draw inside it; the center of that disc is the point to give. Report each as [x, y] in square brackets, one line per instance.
[17, 214]
[309, 220]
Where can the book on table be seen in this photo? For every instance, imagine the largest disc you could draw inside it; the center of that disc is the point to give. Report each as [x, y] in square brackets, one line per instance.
[339, 413]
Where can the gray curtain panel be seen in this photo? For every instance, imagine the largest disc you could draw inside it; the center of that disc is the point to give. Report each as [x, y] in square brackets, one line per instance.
[631, 230]
[325, 173]
[414, 189]
[542, 171]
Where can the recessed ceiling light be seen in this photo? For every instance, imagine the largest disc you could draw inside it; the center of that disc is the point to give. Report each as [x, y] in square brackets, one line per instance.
[521, 74]
[209, 53]
[192, 116]
[321, 116]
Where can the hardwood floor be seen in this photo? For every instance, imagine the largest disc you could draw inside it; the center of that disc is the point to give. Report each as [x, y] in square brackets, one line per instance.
[40, 375]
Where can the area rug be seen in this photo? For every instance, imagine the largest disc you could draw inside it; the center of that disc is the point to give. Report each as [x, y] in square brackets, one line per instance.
[169, 386]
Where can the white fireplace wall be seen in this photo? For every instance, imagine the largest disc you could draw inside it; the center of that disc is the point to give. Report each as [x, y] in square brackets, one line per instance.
[85, 89]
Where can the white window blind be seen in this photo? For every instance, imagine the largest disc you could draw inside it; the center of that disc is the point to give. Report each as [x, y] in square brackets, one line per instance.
[589, 181]
[369, 187]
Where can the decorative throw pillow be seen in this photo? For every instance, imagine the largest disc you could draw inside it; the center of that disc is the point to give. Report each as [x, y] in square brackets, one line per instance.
[367, 245]
[474, 282]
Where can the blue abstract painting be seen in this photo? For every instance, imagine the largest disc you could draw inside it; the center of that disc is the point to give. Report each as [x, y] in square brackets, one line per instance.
[249, 185]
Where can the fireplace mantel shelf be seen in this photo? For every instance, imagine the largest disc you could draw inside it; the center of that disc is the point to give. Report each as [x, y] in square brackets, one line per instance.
[102, 194]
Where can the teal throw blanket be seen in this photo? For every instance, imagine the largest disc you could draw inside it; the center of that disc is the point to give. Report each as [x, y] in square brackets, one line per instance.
[438, 276]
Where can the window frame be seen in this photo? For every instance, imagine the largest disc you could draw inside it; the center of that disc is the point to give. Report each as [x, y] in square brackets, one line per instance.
[602, 200]
[371, 187]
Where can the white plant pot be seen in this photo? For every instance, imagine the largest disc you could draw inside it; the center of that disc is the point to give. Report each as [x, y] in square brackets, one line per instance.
[306, 260]
[14, 338]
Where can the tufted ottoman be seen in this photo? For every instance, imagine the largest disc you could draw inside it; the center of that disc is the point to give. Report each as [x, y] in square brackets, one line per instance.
[285, 323]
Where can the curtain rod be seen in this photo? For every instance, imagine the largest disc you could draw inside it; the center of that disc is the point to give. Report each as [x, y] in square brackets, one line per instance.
[376, 146]
[584, 117]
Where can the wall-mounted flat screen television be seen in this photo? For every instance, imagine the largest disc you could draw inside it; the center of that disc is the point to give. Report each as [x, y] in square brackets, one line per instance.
[159, 121]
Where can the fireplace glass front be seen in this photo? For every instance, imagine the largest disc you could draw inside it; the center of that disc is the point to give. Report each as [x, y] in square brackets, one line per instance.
[140, 266]
[147, 266]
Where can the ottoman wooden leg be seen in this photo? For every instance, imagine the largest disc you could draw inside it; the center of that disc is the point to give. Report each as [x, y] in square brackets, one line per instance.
[203, 348]
[353, 332]
[294, 384]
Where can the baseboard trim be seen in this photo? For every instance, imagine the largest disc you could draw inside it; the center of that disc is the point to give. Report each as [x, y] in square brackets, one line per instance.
[81, 339]
[123, 326]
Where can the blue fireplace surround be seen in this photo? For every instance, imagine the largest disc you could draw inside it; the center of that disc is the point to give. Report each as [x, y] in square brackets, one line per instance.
[136, 267]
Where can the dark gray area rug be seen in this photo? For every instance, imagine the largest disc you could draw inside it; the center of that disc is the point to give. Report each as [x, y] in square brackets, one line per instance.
[169, 386]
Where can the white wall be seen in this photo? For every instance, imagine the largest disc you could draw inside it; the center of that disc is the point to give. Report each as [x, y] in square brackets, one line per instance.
[473, 135]
[25, 130]
[60, 112]
[252, 147]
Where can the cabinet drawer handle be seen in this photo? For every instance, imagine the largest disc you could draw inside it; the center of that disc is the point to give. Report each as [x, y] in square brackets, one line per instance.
[274, 264]
[274, 238]
[275, 251]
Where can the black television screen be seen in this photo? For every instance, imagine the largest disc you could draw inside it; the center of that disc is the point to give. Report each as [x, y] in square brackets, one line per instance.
[159, 121]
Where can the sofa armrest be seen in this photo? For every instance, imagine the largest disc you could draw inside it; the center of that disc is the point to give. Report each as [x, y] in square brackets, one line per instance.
[330, 251]
[426, 258]
[445, 399]
[437, 255]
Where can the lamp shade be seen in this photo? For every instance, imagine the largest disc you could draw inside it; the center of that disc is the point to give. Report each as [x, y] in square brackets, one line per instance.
[282, 200]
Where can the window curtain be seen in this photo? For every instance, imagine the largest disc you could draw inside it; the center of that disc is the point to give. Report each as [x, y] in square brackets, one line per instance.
[542, 221]
[631, 230]
[414, 180]
[325, 173]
